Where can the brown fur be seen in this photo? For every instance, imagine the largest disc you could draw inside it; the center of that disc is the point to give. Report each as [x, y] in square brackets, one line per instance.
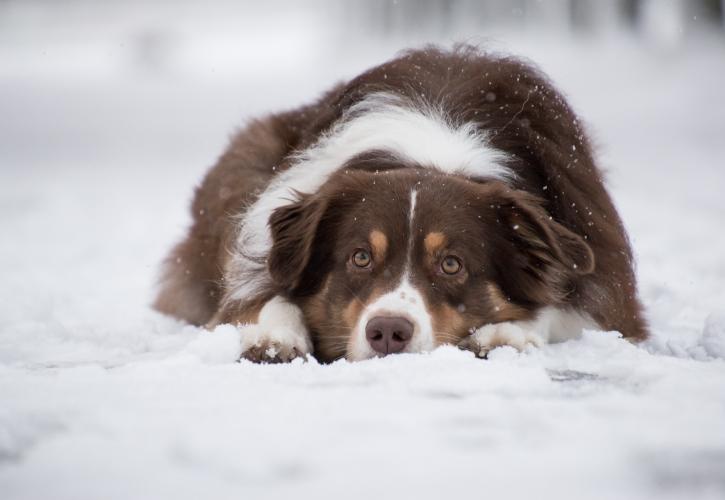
[449, 325]
[551, 237]
[503, 307]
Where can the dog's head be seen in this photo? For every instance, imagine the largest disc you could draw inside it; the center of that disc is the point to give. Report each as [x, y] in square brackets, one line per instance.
[406, 259]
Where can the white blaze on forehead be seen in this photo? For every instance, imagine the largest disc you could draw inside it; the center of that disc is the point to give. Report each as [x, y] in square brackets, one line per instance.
[403, 302]
[414, 132]
[411, 236]
[413, 198]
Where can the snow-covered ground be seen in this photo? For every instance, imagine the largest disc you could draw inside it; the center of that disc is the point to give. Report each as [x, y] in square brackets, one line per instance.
[100, 397]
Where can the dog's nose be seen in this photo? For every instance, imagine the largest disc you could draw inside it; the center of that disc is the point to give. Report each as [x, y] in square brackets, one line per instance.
[388, 335]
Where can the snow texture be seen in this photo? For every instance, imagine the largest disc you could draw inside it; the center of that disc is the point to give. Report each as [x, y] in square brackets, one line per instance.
[100, 397]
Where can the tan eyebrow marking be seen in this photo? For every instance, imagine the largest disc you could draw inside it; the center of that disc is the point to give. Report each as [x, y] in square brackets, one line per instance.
[433, 242]
[379, 242]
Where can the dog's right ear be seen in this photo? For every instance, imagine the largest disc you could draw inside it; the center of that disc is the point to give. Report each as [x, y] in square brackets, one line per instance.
[294, 233]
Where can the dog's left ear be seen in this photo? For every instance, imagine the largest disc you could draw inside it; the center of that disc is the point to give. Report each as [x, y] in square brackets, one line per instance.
[294, 234]
[547, 253]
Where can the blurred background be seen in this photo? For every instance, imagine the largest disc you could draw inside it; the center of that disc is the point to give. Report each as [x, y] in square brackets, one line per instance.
[113, 79]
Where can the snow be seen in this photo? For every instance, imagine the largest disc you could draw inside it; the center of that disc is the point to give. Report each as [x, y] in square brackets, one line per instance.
[100, 397]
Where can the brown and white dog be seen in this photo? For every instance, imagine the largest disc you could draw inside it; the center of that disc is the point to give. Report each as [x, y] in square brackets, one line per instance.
[441, 197]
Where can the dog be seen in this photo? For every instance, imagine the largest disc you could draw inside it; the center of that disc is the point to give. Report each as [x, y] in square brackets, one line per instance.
[448, 196]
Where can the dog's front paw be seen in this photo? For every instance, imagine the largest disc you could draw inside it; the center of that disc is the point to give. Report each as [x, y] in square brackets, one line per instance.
[279, 337]
[488, 337]
[278, 346]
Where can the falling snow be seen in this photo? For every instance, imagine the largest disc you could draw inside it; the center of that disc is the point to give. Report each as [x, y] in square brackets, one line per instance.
[103, 398]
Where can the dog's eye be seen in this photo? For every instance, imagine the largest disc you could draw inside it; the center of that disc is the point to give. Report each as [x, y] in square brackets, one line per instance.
[361, 258]
[451, 265]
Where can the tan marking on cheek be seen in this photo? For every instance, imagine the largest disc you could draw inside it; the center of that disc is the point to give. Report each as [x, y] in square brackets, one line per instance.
[314, 308]
[433, 242]
[379, 242]
[354, 310]
[449, 325]
[323, 324]
[504, 309]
